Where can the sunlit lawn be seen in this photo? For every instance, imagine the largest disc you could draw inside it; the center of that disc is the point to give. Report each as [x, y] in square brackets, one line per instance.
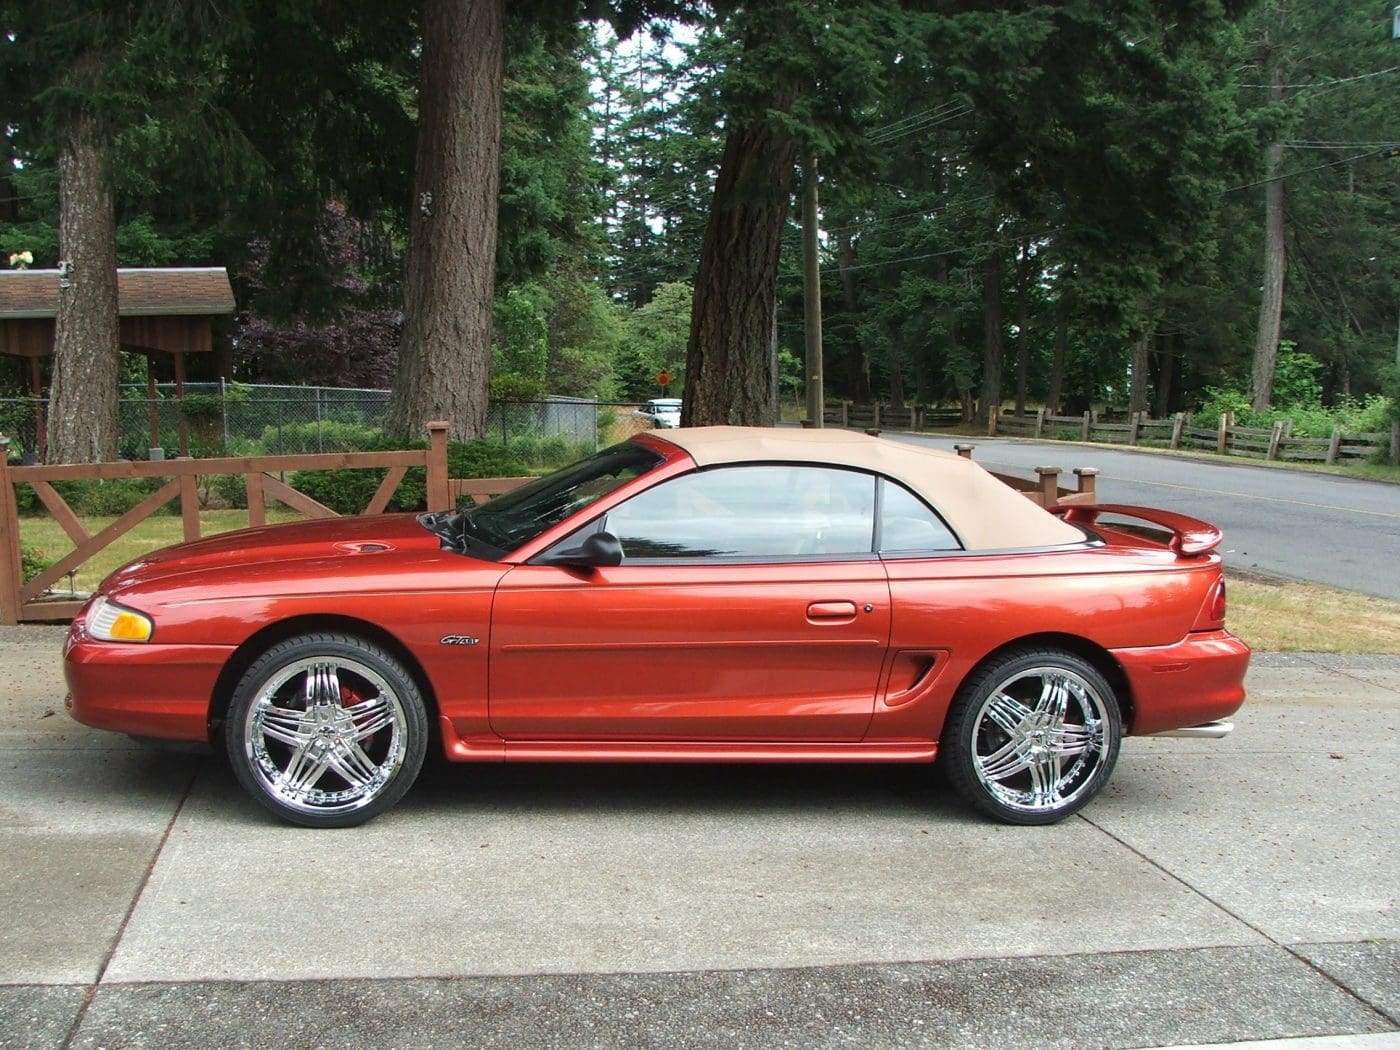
[160, 530]
[1282, 616]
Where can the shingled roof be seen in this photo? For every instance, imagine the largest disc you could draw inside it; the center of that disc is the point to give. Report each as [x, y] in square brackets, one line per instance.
[164, 292]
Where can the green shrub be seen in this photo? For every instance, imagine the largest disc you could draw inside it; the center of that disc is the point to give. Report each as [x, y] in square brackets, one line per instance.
[32, 561]
[110, 499]
[1219, 401]
[548, 453]
[511, 386]
[326, 436]
[26, 501]
[224, 490]
[349, 491]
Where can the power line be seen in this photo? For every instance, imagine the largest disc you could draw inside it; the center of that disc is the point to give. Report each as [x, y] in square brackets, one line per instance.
[1001, 242]
[1338, 145]
[923, 125]
[929, 213]
[1327, 83]
[1304, 171]
[913, 117]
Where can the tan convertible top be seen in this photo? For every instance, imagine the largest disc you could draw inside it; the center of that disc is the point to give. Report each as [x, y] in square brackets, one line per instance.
[985, 514]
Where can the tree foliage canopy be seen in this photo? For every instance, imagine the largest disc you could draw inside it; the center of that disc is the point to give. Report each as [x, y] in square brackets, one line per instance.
[1055, 202]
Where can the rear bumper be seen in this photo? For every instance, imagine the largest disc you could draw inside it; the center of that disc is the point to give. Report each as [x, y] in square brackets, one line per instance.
[1197, 680]
[143, 689]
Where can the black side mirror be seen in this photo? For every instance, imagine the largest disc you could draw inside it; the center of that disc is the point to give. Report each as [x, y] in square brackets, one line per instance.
[598, 551]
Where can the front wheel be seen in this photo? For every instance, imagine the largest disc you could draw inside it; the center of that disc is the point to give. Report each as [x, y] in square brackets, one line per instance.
[326, 730]
[1033, 736]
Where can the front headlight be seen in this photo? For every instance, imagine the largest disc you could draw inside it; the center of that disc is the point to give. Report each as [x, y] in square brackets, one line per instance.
[110, 622]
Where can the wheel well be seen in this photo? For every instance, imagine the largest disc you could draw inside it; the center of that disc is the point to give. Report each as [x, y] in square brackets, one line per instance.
[269, 636]
[1094, 653]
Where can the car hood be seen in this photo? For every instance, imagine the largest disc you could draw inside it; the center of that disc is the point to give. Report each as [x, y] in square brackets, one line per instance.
[286, 547]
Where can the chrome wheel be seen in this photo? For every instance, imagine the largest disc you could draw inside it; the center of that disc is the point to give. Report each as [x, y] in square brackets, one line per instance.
[1037, 735]
[326, 730]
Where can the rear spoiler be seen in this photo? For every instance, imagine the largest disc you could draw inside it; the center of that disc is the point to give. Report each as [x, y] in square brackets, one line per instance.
[1190, 536]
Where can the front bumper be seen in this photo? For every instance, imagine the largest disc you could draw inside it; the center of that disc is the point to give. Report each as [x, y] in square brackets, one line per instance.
[143, 689]
[1198, 680]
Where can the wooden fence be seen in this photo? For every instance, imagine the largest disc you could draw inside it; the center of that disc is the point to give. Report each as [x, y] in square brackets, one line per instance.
[1177, 432]
[22, 601]
[880, 416]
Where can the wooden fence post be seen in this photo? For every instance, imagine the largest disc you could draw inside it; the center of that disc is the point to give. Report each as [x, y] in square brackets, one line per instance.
[1088, 425]
[1274, 440]
[11, 566]
[1223, 435]
[1395, 443]
[1335, 447]
[438, 498]
[1087, 484]
[189, 504]
[1049, 485]
[1177, 426]
[992, 413]
[1135, 427]
[875, 416]
[1039, 422]
[845, 412]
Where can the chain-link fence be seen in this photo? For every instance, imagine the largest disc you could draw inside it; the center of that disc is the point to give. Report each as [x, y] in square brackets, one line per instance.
[245, 419]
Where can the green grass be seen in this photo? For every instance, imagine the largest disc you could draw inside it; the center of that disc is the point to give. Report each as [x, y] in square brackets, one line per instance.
[160, 530]
[1275, 615]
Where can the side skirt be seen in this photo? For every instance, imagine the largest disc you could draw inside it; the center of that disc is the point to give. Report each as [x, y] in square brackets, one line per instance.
[459, 749]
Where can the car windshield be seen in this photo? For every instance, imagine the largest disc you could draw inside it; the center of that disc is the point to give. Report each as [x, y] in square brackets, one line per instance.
[518, 516]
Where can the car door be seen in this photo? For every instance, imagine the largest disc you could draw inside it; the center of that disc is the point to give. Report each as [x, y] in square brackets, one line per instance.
[748, 607]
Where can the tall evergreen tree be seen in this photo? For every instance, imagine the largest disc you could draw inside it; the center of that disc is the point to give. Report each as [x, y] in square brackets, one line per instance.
[91, 70]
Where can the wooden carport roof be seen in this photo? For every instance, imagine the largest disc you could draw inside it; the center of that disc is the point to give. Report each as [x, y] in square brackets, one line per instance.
[161, 310]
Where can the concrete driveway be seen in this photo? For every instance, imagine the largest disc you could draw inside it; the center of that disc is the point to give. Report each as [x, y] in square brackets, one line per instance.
[1219, 891]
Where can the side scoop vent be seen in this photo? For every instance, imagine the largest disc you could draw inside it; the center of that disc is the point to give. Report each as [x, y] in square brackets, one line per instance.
[364, 547]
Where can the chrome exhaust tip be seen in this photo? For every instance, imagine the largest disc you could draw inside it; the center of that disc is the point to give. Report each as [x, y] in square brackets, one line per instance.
[1205, 731]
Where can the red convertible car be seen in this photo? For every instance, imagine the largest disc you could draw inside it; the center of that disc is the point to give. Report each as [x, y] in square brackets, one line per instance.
[710, 594]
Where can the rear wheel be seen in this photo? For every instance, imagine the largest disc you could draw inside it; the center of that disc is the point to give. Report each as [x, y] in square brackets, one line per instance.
[1033, 736]
[326, 730]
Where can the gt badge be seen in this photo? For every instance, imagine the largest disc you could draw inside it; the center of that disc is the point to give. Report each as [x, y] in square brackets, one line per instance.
[459, 639]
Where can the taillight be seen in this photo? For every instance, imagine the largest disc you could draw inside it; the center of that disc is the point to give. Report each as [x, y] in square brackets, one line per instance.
[1211, 616]
[1217, 606]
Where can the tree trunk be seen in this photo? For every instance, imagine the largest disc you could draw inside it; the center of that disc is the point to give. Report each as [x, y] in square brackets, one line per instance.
[811, 295]
[896, 372]
[445, 356]
[1137, 381]
[1057, 363]
[83, 421]
[857, 378]
[1166, 373]
[1023, 349]
[1261, 378]
[727, 365]
[994, 325]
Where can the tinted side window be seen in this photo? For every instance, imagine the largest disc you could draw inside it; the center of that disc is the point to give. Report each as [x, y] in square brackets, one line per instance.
[907, 524]
[750, 512]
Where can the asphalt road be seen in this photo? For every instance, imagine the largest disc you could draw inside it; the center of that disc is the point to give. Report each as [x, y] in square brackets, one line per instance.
[1322, 528]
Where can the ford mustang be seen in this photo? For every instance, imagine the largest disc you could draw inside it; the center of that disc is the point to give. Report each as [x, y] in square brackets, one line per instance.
[715, 594]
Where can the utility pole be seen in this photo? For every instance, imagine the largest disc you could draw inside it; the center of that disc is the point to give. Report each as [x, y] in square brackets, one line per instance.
[812, 293]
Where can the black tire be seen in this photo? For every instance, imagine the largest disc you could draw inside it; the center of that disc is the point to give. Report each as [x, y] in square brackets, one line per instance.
[1032, 736]
[326, 730]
